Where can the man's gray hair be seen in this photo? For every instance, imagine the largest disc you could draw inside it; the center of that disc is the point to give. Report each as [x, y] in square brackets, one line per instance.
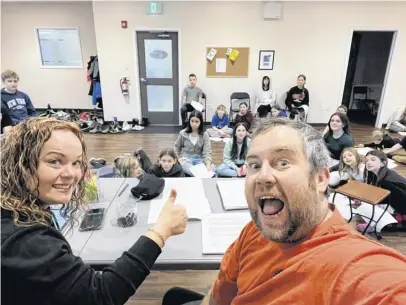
[314, 147]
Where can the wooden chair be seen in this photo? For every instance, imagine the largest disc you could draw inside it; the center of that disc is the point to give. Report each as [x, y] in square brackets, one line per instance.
[366, 193]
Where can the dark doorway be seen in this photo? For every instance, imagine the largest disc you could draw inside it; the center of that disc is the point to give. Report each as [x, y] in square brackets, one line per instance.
[366, 74]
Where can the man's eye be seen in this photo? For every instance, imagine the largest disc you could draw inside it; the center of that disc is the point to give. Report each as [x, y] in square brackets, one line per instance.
[254, 165]
[282, 163]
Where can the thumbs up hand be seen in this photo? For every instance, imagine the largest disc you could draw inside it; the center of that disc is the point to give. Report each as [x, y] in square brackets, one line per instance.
[173, 218]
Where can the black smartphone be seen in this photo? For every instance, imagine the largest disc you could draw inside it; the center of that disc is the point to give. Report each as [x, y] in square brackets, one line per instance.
[92, 220]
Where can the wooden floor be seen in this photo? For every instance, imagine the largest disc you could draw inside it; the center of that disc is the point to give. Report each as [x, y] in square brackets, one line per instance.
[151, 292]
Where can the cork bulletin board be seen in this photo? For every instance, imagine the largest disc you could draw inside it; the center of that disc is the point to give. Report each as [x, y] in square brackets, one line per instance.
[239, 68]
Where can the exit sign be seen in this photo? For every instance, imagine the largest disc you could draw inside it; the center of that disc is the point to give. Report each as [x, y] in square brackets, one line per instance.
[154, 8]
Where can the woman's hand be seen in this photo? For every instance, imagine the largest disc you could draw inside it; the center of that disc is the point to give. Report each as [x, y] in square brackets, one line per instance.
[173, 218]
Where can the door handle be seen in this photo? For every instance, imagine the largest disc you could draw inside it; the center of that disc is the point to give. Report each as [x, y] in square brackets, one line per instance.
[144, 81]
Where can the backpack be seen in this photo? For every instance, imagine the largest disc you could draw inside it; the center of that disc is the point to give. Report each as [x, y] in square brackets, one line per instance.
[149, 187]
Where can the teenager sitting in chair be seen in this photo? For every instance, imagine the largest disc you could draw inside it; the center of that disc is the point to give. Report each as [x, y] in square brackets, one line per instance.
[265, 99]
[297, 99]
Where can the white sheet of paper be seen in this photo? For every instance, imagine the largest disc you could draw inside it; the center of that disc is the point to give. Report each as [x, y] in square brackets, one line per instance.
[216, 139]
[197, 106]
[365, 209]
[391, 164]
[232, 194]
[402, 133]
[364, 150]
[342, 204]
[190, 194]
[219, 231]
[200, 171]
[221, 65]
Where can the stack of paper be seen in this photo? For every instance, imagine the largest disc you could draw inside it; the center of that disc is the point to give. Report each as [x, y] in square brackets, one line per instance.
[391, 164]
[232, 194]
[402, 133]
[219, 231]
[197, 106]
[190, 194]
[200, 171]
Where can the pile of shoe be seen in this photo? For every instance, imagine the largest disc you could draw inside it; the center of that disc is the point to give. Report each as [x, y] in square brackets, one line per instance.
[64, 115]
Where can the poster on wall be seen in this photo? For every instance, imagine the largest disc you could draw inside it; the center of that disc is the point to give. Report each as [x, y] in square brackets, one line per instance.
[266, 60]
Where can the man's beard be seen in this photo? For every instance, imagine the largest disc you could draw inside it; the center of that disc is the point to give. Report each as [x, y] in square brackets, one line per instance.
[302, 217]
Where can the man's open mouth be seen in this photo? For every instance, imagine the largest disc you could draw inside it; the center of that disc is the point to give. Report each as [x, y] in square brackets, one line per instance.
[271, 206]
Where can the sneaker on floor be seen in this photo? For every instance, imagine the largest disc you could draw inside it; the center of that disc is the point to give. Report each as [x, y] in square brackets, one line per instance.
[361, 227]
[97, 160]
[97, 129]
[106, 129]
[137, 127]
[126, 126]
[135, 122]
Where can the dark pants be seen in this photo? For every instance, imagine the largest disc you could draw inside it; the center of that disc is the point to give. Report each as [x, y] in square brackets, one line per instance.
[294, 111]
[184, 110]
[181, 296]
[263, 110]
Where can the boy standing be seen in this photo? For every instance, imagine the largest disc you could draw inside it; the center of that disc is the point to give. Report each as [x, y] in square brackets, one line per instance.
[18, 103]
[190, 93]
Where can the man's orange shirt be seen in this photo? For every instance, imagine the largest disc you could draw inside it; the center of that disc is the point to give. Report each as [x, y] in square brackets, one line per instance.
[335, 265]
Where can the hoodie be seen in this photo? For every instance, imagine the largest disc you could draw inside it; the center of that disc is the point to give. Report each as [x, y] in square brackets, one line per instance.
[297, 94]
[19, 105]
[394, 183]
[265, 97]
[39, 261]
[185, 148]
[175, 172]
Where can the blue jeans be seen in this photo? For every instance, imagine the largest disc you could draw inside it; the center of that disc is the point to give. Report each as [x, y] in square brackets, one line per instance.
[191, 161]
[226, 171]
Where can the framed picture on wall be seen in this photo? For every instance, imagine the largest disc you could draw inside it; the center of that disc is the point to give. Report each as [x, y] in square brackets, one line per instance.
[266, 60]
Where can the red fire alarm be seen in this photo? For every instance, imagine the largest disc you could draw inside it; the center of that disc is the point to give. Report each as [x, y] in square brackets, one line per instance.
[124, 24]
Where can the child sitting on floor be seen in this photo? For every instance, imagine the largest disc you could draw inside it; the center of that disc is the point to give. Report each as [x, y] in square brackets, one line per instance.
[167, 165]
[128, 166]
[278, 112]
[380, 140]
[234, 153]
[350, 167]
[220, 124]
[244, 116]
[378, 174]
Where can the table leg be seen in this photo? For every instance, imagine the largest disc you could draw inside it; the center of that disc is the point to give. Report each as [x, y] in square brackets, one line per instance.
[349, 199]
[378, 236]
[370, 220]
[334, 196]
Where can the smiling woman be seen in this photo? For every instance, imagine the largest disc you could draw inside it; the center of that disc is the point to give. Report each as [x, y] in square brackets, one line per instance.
[43, 163]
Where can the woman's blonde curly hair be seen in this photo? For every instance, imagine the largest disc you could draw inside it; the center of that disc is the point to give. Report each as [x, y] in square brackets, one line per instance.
[20, 151]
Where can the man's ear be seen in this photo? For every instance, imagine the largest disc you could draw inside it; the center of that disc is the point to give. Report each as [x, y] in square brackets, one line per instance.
[322, 180]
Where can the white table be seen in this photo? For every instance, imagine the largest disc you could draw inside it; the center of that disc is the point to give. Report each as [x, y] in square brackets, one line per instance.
[180, 252]
[77, 239]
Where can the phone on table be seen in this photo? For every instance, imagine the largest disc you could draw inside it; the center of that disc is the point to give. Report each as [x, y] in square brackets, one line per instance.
[92, 220]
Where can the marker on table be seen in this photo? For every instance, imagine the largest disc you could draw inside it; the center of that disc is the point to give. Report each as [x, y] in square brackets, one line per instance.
[123, 190]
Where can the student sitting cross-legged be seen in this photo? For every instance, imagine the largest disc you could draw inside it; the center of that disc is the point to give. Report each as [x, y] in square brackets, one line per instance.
[193, 144]
[234, 153]
[220, 124]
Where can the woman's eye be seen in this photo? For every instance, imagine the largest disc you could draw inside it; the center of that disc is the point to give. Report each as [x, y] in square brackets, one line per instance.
[77, 163]
[54, 162]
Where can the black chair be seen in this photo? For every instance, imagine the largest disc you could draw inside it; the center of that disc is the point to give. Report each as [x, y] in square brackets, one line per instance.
[360, 98]
[236, 99]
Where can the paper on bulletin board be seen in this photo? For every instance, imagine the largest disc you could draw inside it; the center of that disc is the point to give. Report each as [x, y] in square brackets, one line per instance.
[212, 53]
[221, 65]
[234, 55]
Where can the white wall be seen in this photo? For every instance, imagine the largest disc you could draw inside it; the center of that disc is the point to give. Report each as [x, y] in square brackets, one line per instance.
[64, 88]
[312, 38]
